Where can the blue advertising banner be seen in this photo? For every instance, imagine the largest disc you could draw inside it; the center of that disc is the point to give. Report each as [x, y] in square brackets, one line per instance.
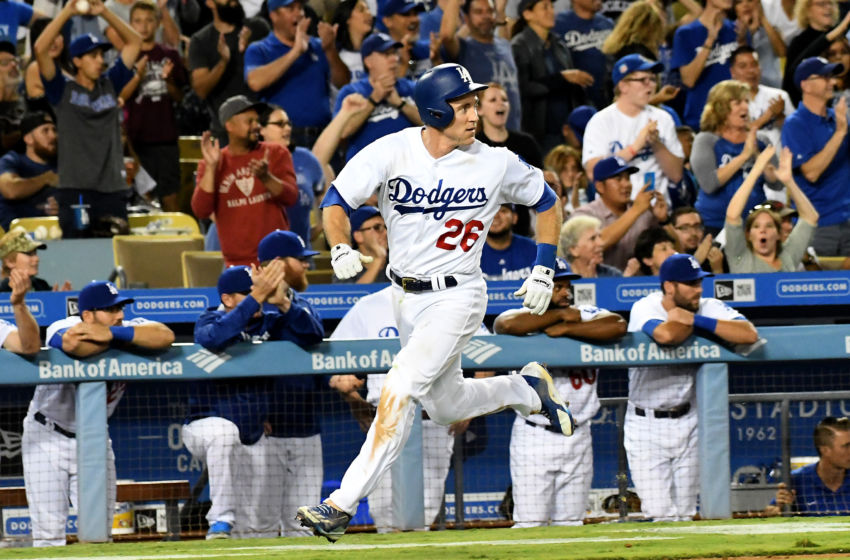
[616, 294]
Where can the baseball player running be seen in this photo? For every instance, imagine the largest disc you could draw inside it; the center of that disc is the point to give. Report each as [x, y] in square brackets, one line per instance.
[438, 190]
[49, 445]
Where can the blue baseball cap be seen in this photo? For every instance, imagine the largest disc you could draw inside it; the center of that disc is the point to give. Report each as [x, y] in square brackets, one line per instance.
[611, 167]
[281, 244]
[275, 4]
[361, 215]
[87, 43]
[563, 270]
[391, 7]
[634, 63]
[680, 267]
[579, 118]
[235, 280]
[816, 66]
[379, 42]
[100, 295]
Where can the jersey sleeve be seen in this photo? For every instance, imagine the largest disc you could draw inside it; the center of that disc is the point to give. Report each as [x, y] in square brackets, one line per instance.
[685, 43]
[53, 336]
[716, 309]
[643, 311]
[796, 138]
[590, 312]
[522, 183]
[365, 172]
[668, 134]
[253, 59]
[595, 144]
[6, 328]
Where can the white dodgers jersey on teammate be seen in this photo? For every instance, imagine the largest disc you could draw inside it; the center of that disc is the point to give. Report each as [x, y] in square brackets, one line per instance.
[437, 211]
[58, 401]
[372, 317]
[6, 328]
[576, 386]
[666, 387]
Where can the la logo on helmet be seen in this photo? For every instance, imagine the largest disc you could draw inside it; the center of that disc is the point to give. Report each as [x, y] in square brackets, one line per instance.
[464, 74]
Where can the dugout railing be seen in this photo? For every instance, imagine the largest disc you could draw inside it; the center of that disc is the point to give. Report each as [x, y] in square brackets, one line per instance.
[783, 355]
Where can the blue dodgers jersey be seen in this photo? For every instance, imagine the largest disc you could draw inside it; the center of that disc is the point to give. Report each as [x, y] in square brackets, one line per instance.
[303, 90]
[686, 41]
[310, 179]
[712, 207]
[494, 62]
[584, 37]
[513, 263]
[814, 498]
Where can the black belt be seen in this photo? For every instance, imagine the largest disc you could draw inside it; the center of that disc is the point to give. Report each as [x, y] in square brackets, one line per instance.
[42, 419]
[548, 427]
[409, 284]
[677, 412]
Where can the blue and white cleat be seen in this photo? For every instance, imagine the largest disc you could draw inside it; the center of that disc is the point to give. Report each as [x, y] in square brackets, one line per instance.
[219, 530]
[553, 406]
[325, 521]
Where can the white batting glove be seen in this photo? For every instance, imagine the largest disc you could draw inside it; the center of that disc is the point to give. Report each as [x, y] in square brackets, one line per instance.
[347, 262]
[537, 289]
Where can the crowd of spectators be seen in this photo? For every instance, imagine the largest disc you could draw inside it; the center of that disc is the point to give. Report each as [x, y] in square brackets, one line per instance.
[684, 99]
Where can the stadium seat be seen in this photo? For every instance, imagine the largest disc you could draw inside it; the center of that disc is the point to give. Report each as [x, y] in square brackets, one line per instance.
[322, 261]
[201, 269]
[152, 261]
[169, 223]
[31, 224]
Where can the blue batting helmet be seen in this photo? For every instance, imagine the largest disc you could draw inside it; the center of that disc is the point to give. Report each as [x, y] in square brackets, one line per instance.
[439, 85]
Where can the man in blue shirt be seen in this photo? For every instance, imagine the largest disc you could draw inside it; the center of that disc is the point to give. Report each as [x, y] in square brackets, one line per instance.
[701, 51]
[28, 180]
[506, 255]
[292, 70]
[225, 424]
[390, 105]
[294, 452]
[817, 136]
[488, 58]
[822, 488]
[584, 30]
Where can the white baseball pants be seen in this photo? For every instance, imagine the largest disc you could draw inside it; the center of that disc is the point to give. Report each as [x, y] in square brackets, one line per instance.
[434, 327]
[437, 447]
[295, 478]
[551, 475]
[50, 477]
[664, 463]
[216, 442]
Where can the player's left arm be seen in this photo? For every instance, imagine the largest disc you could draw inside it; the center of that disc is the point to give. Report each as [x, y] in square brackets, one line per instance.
[721, 320]
[144, 334]
[522, 322]
[604, 326]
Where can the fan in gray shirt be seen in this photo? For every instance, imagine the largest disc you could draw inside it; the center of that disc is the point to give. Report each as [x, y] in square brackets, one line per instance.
[756, 246]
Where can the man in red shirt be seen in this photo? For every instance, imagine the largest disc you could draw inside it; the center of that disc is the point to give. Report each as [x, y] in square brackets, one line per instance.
[246, 185]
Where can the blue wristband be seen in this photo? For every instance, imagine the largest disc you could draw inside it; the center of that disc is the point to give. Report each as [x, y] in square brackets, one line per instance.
[546, 255]
[705, 323]
[122, 334]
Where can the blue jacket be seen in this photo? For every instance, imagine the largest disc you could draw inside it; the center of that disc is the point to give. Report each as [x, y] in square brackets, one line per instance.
[245, 401]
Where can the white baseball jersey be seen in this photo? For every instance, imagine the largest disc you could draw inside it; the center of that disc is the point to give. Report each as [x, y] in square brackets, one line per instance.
[6, 328]
[760, 103]
[576, 386]
[609, 131]
[372, 317]
[666, 387]
[458, 194]
[57, 401]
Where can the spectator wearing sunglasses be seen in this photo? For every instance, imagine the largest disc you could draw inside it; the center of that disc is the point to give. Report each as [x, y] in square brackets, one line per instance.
[756, 245]
[369, 236]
